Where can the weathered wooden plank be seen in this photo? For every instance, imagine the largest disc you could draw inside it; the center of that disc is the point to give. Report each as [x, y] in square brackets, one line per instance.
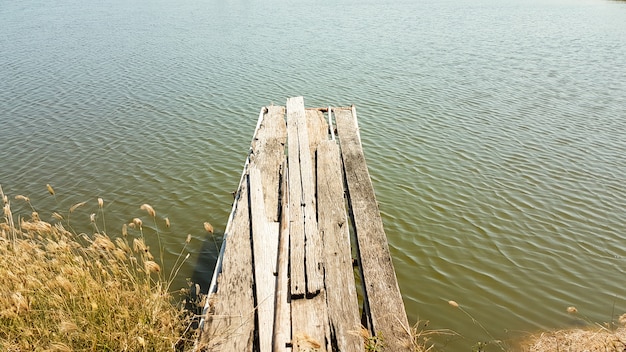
[268, 152]
[296, 219]
[341, 296]
[230, 324]
[264, 249]
[318, 130]
[382, 294]
[309, 319]
[313, 244]
[282, 320]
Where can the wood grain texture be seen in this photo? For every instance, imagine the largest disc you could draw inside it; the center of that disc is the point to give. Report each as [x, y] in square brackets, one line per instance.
[341, 296]
[282, 320]
[287, 280]
[309, 323]
[312, 247]
[268, 152]
[296, 219]
[382, 294]
[264, 249]
[230, 324]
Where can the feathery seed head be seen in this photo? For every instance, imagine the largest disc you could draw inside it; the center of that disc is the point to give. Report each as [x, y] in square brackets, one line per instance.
[121, 244]
[454, 304]
[137, 222]
[50, 189]
[35, 216]
[103, 242]
[92, 217]
[67, 327]
[120, 254]
[57, 216]
[152, 267]
[208, 227]
[139, 245]
[77, 205]
[20, 301]
[100, 203]
[21, 197]
[188, 238]
[148, 208]
[572, 310]
[124, 230]
[167, 222]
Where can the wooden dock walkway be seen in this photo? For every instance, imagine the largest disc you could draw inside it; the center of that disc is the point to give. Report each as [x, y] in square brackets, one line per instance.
[305, 264]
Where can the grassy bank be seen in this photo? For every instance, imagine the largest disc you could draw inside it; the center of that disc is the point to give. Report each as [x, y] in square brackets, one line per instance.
[63, 291]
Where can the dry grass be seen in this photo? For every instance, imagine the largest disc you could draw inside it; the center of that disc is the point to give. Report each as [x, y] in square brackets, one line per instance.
[598, 339]
[419, 338]
[610, 337]
[64, 291]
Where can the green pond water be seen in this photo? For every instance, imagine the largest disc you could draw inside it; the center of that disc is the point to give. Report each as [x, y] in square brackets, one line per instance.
[494, 132]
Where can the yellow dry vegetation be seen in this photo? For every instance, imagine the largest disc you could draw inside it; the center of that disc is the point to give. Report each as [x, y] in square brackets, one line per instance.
[64, 291]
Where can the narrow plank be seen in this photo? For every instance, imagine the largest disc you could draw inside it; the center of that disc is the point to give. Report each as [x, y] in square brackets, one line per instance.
[312, 247]
[230, 324]
[268, 152]
[296, 219]
[382, 294]
[317, 128]
[309, 321]
[341, 295]
[282, 320]
[264, 249]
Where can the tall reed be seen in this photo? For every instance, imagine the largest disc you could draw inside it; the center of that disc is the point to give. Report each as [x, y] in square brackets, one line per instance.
[64, 291]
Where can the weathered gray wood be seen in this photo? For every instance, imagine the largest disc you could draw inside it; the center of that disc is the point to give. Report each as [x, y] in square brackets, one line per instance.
[307, 142]
[317, 128]
[342, 301]
[265, 247]
[282, 320]
[296, 219]
[230, 324]
[387, 313]
[289, 226]
[309, 321]
[331, 127]
[268, 152]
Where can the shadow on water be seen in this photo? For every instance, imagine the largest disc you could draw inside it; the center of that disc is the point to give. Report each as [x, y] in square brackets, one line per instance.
[207, 258]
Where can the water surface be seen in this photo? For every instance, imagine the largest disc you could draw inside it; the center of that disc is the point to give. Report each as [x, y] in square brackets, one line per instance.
[493, 131]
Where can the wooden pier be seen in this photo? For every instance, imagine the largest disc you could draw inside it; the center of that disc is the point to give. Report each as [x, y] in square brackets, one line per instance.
[305, 264]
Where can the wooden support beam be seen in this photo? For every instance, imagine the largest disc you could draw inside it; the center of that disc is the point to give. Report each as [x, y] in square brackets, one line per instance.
[382, 294]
